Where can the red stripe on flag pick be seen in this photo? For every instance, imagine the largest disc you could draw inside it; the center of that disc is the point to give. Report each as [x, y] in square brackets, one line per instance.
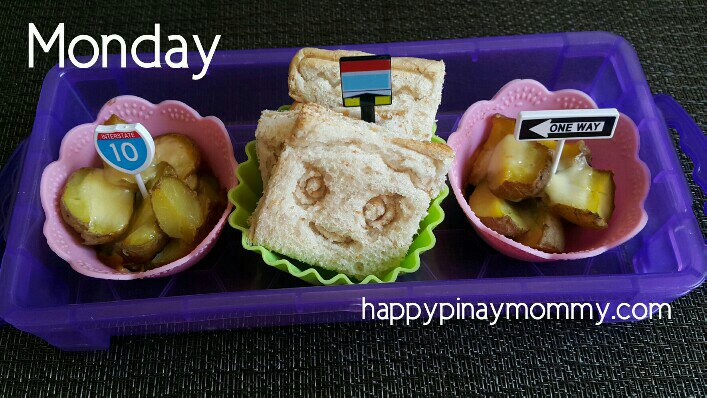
[365, 66]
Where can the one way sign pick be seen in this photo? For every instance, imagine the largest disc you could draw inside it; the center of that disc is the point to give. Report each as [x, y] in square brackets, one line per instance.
[564, 125]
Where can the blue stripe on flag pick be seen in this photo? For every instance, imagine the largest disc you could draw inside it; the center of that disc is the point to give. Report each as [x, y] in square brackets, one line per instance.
[377, 81]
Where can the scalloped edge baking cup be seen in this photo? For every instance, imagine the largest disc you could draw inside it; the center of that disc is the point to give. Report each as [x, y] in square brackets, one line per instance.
[77, 151]
[618, 154]
[245, 197]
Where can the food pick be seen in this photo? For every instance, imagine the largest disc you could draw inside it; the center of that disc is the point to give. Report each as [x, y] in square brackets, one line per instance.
[566, 124]
[126, 147]
[366, 82]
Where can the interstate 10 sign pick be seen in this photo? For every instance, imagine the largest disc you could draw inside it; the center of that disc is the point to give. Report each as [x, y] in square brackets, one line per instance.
[126, 147]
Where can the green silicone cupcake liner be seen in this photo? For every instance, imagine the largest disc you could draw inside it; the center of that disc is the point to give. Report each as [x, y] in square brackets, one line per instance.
[245, 197]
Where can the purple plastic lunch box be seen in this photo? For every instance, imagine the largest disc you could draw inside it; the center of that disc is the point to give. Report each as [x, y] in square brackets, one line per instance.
[232, 287]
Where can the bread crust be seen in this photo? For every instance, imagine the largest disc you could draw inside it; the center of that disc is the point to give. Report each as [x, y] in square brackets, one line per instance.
[435, 150]
[317, 56]
[274, 128]
[314, 77]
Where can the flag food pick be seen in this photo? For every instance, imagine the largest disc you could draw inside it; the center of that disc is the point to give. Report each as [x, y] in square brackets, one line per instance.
[366, 82]
[126, 147]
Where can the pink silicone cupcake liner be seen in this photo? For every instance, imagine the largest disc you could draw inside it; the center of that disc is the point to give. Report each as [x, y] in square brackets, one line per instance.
[77, 150]
[618, 154]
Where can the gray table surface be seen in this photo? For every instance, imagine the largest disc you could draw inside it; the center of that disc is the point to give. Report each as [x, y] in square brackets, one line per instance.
[513, 358]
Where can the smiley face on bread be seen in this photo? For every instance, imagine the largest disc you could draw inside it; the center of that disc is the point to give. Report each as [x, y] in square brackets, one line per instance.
[344, 194]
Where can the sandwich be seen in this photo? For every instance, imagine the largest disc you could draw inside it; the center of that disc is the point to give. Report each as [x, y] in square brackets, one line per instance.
[417, 89]
[345, 196]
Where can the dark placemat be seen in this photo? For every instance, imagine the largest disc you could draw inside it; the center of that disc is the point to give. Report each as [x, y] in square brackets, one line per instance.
[657, 358]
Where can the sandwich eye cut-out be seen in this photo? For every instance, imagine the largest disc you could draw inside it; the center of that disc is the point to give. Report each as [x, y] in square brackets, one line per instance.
[310, 187]
[381, 210]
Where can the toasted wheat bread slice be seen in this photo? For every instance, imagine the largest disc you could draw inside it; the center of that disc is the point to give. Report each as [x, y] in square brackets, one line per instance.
[273, 129]
[425, 163]
[276, 130]
[417, 89]
[344, 198]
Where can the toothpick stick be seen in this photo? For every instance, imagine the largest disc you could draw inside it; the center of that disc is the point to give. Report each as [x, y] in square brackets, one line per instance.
[141, 185]
[558, 155]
